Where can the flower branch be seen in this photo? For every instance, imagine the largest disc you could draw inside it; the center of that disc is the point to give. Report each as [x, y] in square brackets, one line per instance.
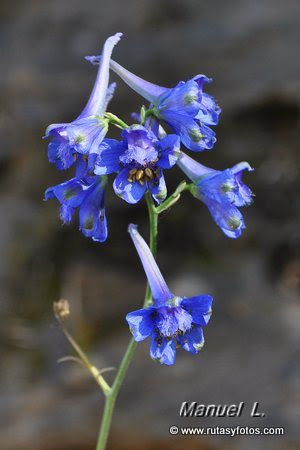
[172, 199]
[61, 311]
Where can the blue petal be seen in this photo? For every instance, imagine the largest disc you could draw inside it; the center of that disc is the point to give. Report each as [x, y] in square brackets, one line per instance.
[130, 191]
[82, 167]
[56, 130]
[158, 187]
[192, 341]
[219, 186]
[49, 193]
[184, 319]
[162, 349]
[226, 186]
[193, 136]
[107, 160]
[208, 137]
[172, 319]
[87, 133]
[201, 79]
[70, 193]
[151, 123]
[66, 213]
[227, 217]
[139, 143]
[91, 207]
[199, 307]
[167, 322]
[169, 151]
[182, 99]
[209, 111]
[60, 152]
[244, 194]
[100, 234]
[141, 323]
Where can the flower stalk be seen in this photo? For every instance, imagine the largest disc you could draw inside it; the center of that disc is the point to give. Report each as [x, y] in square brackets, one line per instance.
[61, 312]
[111, 396]
[173, 198]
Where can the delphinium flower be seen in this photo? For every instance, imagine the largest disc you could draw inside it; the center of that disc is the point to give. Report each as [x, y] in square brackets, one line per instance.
[139, 160]
[86, 194]
[223, 192]
[171, 321]
[89, 129]
[186, 108]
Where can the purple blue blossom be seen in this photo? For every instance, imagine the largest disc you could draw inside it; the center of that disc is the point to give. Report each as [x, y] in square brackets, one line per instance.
[86, 194]
[186, 108]
[139, 160]
[171, 321]
[86, 132]
[223, 192]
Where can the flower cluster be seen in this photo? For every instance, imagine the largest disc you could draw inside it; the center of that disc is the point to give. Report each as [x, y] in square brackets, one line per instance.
[179, 116]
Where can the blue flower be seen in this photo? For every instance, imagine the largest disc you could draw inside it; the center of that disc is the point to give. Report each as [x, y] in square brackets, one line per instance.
[186, 108]
[223, 192]
[87, 194]
[171, 321]
[140, 159]
[86, 132]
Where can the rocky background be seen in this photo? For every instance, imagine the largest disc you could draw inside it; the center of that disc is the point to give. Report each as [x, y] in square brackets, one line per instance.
[250, 49]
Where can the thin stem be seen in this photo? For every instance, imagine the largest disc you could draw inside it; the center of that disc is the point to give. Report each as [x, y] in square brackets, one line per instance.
[86, 362]
[173, 198]
[153, 224]
[110, 399]
[111, 396]
[115, 120]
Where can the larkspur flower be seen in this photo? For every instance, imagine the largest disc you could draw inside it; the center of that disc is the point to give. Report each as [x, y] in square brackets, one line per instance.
[140, 159]
[87, 194]
[171, 321]
[89, 129]
[186, 108]
[223, 192]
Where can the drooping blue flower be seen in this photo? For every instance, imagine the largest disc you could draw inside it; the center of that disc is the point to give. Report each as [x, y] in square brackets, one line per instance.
[87, 194]
[223, 192]
[86, 132]
[139, 160]
[171, 321]
[186, 108]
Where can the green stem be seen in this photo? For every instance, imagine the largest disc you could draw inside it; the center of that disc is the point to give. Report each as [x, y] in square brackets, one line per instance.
[111, 396]
[115, 120]
[183, 186]
[153, 225]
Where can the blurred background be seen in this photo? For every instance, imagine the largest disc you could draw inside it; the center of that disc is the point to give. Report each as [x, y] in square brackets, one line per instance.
[250, 50]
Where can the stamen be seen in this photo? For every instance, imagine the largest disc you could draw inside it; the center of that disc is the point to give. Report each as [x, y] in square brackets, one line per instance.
[149, 173]
[139, 174]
